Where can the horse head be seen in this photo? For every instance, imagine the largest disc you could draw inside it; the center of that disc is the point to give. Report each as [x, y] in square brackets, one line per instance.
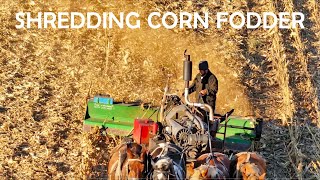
[250, 166]
[168, 161]
[206, 172]
[163, 168]
[136, 164]
[210, 166]
[250, 171]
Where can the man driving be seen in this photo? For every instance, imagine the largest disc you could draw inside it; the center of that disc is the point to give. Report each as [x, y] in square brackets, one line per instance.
[205, 84]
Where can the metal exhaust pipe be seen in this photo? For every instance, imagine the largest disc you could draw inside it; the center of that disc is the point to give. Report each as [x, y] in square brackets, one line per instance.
[187, 76]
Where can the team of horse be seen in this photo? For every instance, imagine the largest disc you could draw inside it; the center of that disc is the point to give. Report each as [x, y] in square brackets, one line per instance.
[167, 161]
[128, 161]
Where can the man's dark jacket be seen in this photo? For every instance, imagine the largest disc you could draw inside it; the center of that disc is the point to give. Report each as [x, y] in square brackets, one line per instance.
[209, 82]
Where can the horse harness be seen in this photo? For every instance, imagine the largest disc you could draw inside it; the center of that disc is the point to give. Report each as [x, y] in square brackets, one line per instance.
[214, 157]
[117, 166]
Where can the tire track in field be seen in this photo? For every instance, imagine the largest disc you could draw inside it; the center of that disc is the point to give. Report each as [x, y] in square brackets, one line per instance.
[258, 72]
[310, 37]
[299, 78]
[262, 78]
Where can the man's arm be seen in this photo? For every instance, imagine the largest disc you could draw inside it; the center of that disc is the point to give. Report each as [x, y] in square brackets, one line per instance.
[192, 88]
[212, 86]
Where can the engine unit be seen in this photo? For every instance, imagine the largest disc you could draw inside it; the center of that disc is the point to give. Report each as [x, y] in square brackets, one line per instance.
[187, 130]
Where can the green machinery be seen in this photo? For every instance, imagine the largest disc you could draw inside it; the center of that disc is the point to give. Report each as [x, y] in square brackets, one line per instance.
[177, 119]
[117, 117]
[236, 133]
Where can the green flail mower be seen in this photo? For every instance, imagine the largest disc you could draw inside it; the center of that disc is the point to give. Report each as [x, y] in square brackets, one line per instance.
[237, 133]
[177, 121]
[117, 117]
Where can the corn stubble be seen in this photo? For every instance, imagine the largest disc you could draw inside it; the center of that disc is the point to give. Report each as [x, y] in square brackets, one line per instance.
[46, 75]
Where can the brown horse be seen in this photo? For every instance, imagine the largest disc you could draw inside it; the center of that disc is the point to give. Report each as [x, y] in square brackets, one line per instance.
[249, 166]
[128, 161]
[209, 166]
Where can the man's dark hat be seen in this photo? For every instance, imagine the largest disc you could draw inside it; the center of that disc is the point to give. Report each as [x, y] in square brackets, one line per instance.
[203, 65]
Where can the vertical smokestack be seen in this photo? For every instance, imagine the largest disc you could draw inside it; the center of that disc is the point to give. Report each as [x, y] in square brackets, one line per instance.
[187, 76]
[187, 68]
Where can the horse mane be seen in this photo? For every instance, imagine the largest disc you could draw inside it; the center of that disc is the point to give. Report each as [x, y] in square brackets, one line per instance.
[237, 167]
[254, 167]
[115, 149]
[213, 165]
[167, 149]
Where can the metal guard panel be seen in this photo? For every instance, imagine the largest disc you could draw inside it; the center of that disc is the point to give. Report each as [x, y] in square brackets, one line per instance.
[119, 112]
